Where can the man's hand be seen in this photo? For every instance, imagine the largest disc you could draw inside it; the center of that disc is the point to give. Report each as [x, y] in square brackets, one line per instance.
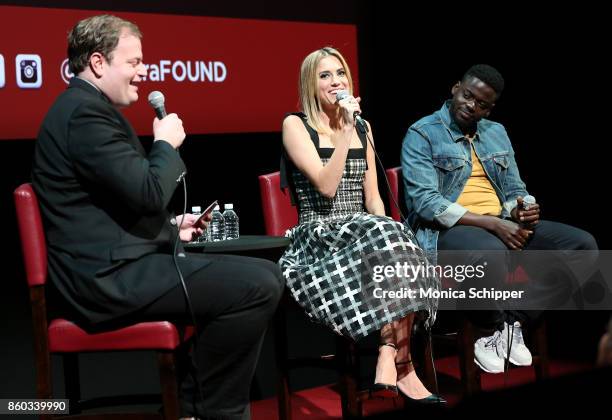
[510, 233]
[529, 217]
[169, 129]
[189, 230]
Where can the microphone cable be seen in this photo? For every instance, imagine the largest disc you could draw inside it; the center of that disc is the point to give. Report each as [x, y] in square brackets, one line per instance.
[363, 127]
[190, 310]
[156, 100]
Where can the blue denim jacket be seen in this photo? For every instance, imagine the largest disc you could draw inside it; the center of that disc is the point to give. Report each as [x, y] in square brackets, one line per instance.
[436, 164]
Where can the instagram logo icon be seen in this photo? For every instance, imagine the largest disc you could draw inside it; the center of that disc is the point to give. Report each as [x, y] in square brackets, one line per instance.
[28, 70]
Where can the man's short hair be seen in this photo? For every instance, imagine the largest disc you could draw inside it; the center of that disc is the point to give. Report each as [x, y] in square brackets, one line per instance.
[488, 75]
[96, 34]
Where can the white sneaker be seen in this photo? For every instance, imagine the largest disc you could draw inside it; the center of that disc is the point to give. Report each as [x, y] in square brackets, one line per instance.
[519, 353]
[489, 353]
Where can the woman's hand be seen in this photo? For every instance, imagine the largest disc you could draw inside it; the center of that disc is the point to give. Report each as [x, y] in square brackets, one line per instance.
[349, 106]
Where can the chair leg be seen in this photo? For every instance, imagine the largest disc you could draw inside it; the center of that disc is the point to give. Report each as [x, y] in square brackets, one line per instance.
[72, 381]
[349, 371]
[43, 377]
[470, 374]
[169, 387]
[280, 344]
[41, 340]
[541, 346]
[428, 366]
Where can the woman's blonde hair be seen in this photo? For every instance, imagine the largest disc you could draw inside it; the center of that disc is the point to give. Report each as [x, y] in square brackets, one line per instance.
[308, 87]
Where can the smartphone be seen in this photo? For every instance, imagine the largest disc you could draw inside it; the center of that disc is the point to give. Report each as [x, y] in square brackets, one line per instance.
[208, 210]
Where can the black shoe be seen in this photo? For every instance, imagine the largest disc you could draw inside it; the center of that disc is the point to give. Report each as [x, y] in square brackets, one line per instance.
[433, 399]
[384, 391]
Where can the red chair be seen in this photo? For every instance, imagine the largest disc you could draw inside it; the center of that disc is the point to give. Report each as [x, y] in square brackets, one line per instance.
[396, 203]
[466, 335]
[280, 215]
[63, 337]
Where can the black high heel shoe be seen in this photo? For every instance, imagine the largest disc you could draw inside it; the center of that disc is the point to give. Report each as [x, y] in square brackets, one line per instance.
[384, 390]
[432, 400]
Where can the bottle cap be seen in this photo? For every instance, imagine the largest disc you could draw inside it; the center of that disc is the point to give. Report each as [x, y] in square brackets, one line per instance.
[229, 206]
[196, 209]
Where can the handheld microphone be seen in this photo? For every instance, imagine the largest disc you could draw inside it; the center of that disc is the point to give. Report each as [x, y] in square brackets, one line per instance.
[528, 202]
[343, 94]
[156, 100]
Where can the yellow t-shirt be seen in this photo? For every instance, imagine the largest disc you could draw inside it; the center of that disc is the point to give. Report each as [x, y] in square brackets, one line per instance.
[478, 195]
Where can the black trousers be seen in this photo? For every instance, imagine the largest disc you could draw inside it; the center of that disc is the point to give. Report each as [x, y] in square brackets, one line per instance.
[547, 236]
[233, 299]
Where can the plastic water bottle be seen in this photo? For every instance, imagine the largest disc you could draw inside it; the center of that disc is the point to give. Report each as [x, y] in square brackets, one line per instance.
[197, 211]
[231, 222]
[217, 225]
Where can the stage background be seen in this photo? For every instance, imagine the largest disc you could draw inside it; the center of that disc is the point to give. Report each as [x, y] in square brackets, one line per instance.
[554, 107]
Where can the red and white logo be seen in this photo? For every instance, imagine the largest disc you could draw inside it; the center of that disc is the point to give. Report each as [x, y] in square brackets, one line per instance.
[65, 72]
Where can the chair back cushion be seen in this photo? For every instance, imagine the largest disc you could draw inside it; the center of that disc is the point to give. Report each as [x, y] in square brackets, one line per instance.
[394, 175]
[279, 214]
[32, 235]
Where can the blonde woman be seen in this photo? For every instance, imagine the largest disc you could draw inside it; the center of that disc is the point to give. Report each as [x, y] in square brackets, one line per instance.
[330, 169]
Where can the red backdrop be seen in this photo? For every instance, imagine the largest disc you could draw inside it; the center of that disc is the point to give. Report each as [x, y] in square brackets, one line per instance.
[250, 67]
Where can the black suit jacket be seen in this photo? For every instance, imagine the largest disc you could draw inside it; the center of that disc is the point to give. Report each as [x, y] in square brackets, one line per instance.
[103, 202]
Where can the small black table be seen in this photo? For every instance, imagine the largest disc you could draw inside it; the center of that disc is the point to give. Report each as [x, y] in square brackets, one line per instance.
[262, 246]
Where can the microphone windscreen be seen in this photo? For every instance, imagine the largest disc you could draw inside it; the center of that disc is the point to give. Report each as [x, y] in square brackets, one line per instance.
[341, 94]
[528, 201]
[156, 99]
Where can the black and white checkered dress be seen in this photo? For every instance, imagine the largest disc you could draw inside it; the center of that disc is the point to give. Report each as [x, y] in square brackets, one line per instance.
[329, 263]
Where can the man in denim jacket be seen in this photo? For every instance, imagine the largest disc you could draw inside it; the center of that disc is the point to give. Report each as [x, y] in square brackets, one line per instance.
[463, 191]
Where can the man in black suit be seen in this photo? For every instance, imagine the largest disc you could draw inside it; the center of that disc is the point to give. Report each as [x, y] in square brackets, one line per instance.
[110, 238]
